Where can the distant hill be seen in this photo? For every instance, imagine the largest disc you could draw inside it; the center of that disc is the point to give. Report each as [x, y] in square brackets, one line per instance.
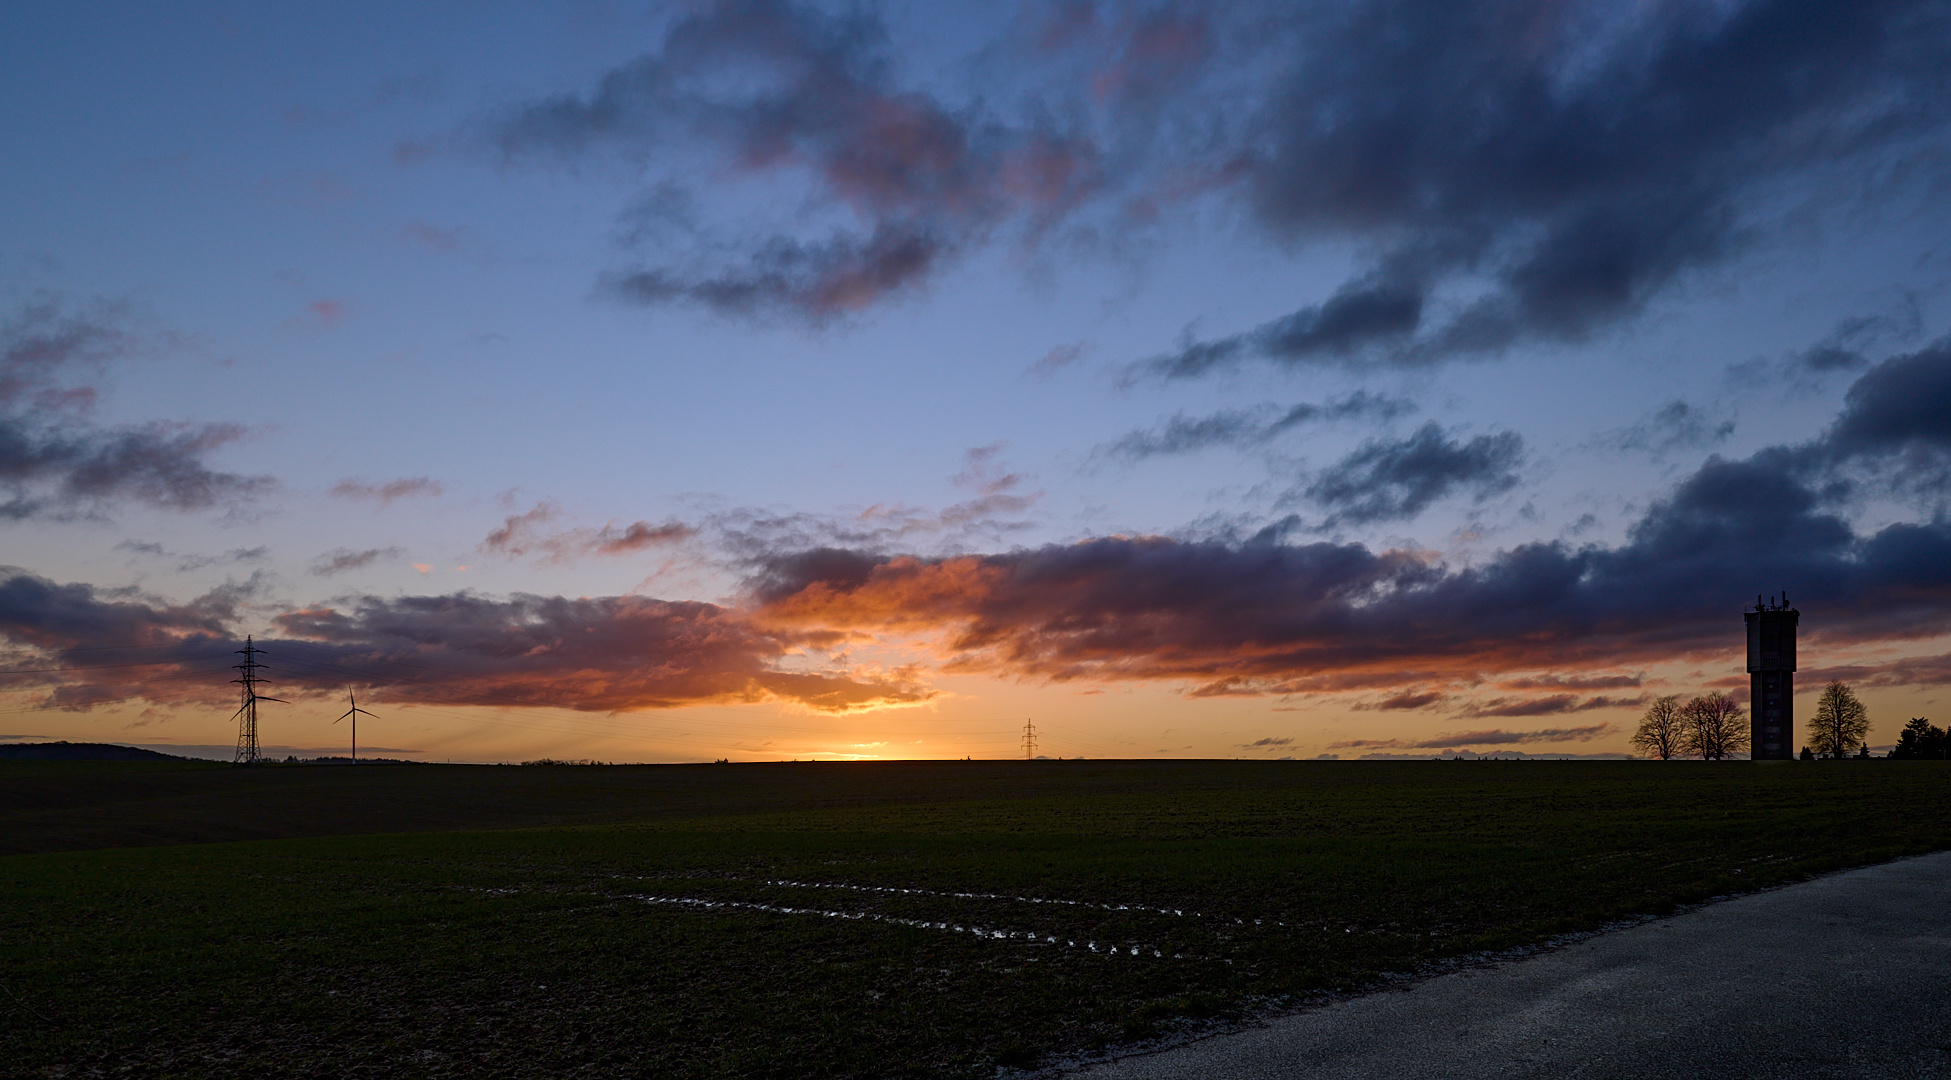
[80, 751]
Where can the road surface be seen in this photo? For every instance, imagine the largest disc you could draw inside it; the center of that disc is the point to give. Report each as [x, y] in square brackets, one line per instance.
[1845, 976]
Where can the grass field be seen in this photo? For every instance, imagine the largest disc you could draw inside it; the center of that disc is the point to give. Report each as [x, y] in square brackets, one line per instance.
[901, 919]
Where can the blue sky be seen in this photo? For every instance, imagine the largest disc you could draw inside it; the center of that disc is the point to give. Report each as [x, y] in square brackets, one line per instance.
[414, 309]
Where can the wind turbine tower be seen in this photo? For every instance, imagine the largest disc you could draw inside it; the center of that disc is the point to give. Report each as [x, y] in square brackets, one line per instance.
[353, 715]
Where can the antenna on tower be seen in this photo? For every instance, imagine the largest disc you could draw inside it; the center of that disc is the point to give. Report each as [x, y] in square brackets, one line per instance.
[246, 715]
[1029, 740]
[354, 714]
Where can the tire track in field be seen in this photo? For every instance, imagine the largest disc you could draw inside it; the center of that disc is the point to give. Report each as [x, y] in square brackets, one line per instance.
[892, 890]
[1031, 936]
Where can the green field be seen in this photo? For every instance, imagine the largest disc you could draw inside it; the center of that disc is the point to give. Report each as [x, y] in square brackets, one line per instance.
[822, 919]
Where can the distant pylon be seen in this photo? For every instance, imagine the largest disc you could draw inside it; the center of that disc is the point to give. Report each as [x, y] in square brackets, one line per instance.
[247, 713]
[354, 714]
[1029, 740]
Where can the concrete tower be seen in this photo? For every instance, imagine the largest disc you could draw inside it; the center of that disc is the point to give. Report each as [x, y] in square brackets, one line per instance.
[1771, 671]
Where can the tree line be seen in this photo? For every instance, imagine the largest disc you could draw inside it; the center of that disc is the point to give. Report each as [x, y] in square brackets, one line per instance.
[1708, 727]
[1711, 727]
[1922, 740]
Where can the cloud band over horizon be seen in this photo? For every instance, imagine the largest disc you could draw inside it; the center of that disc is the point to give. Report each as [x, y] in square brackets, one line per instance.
[1220, 618]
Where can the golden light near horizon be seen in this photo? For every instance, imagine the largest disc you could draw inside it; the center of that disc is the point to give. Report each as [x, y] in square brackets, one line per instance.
[972, 386]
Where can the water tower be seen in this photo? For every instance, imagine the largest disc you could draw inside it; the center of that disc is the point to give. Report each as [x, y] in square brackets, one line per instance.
[1771, 672]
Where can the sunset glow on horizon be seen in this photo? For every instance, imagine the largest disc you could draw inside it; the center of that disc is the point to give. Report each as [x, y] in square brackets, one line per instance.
[760, 380]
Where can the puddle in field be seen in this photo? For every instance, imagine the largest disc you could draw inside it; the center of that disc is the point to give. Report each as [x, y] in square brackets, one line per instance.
[920, 924]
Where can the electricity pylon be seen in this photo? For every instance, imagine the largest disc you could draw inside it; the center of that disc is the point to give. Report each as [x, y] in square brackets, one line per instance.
[354, 714]
[1029, 740]
[246, 715]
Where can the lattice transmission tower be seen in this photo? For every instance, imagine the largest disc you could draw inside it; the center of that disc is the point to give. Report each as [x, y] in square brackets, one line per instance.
[1029, 740]
[247, 713]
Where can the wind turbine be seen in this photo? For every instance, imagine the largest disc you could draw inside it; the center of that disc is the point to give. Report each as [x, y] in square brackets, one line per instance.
[354, 714]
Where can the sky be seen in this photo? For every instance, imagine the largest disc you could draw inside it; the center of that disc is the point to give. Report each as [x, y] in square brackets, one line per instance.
[765, 380]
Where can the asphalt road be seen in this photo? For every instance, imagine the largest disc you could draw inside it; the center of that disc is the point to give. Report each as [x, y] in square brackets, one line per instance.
[1845, 976]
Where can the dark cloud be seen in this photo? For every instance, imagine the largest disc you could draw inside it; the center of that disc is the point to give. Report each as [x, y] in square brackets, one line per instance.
[78, 645]
[637, 536]
[39, 613]
[1575, 682]
[1492, 737]
[1906, 671]
[56, 470]
[1545, 706]
[1267, 616]
[529, 534]
[764, 87]
[406, 487]
[840, 275]
[1564, 626]
[1901, 404]
[186, 563]
[55, 463]
[1184, 434]
[1672, 427]
[1408, 699]
[1846, 348]
[1512, 171]
[1565, 162]
[158, 463]
[1249, 427]
[43, 342]
[600, 653]
[341, 560]
[1394, 480]
[1354, 318]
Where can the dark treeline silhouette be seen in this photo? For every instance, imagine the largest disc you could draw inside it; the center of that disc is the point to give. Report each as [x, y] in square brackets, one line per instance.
[1922, 740]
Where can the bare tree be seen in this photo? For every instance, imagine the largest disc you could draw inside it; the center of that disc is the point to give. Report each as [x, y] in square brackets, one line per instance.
[1713, 726]
[1662, 731]
[1840, 723]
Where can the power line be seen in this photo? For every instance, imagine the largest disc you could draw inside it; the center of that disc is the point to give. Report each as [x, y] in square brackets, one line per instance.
[87, 667]
[1029, 740]
[178, 643]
